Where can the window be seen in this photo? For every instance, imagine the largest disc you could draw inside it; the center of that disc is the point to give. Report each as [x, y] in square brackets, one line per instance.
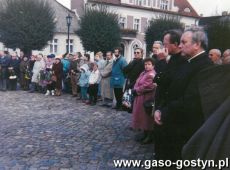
[70, 45]
[164, 4]
[136, 24]
[148, 23]
[138, 2]
[187, 10]
[53, 46]
[147, 3]
[122, 22]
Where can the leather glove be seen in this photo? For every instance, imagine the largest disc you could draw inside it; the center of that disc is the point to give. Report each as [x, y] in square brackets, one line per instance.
[134, 92]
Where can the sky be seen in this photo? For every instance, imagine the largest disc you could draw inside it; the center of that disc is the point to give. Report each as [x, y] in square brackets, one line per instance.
[205, 7]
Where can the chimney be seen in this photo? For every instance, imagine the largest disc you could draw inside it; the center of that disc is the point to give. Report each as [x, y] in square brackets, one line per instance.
[78, 6]
[224, 13]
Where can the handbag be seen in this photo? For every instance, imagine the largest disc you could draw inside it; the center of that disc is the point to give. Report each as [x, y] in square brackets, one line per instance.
[127, 99]
[149, 106]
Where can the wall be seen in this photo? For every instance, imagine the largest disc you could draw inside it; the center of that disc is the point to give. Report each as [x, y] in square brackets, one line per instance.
[77, 46]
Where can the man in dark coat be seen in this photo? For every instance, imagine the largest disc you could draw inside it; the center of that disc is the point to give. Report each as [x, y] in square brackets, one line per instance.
[132, 71]
[181, 114]
[13, 70]
[161, 63]
[134, 68]
[166, 73]
[211, 141]
[4, 64]
[163, 80]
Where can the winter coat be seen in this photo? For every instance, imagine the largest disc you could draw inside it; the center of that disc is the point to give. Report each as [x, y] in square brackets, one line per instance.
[132, 72]
[38, 66]
[145, 90]
[23, 66]
[84, 78]
[66, 65]
[117, 76]
[74, 66]
[15, 64]
[106, 91]
[181, 112]
[58, 72]
[211, 140]
[94, 77]
[4, 63]
[101, 65]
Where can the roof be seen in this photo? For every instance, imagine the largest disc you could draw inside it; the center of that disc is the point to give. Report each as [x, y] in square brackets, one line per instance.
[181, 4]
[60, 16]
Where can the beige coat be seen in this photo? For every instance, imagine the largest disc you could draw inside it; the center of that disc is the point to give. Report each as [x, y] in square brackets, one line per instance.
[106, 91]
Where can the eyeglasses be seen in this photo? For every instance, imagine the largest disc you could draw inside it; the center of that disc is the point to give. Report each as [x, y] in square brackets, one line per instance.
[137, 52]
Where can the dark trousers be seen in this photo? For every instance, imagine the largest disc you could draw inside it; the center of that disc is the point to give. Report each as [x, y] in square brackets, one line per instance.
[51, 86]
[12, 84]
[118, 92]
[24, 83]
[3, 84]
[169, 141]
[93, 90]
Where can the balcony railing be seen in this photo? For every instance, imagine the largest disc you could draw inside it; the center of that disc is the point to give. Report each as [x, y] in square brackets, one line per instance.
[128, 32]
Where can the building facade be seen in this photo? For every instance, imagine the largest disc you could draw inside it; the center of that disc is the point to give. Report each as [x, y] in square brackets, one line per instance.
[59, 44]
[134, 17]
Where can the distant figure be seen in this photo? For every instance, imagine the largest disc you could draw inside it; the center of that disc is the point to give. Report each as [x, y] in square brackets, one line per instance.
[4, 64]
[226, 57]
[106, 90]
[159, 57]
[215, 56]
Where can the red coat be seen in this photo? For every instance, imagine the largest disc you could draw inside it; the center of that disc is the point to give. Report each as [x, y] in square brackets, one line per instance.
[145, 91]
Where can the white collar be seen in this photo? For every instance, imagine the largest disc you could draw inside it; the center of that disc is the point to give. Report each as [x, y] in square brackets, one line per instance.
[189, 60]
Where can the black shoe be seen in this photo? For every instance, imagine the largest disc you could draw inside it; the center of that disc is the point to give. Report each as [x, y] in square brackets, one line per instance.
[130, 128]
[119, 109]
[140, 137]
[104, 105]
[147, 140]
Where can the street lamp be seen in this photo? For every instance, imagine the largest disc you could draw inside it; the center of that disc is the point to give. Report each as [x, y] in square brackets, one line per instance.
[68, 22]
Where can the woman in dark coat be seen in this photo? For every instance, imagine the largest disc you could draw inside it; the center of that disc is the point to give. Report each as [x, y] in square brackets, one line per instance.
[13, 71]
[58, 71]
[24, 76]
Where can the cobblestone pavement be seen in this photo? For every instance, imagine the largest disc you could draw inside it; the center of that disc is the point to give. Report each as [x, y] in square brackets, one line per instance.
[38, 132]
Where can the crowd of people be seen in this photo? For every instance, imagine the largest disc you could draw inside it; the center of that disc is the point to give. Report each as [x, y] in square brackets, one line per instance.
[161, 90]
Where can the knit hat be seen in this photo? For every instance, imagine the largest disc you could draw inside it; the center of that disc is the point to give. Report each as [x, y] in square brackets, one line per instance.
[51, 56]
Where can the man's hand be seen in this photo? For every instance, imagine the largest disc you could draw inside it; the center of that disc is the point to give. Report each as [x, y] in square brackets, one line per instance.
[162, 53]
[157, 117]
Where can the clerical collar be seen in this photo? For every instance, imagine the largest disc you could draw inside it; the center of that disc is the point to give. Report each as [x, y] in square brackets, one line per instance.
[189, 60]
